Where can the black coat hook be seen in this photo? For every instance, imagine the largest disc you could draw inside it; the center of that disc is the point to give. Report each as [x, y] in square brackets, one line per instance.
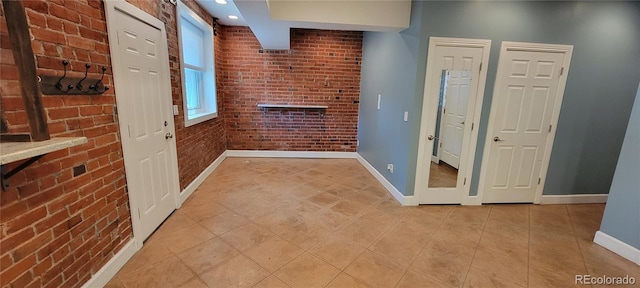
[86, 71]
[95, 85]
[58, 84]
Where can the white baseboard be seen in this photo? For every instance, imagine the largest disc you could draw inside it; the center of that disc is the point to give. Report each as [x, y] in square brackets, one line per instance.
[184, 195]
[471, 200]
[290, 154]
[106, 273]
[574, 199]
[616, 246]
[403, 200]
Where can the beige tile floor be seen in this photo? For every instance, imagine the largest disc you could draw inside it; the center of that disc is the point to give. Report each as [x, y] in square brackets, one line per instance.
[442, 175]
[328, 223]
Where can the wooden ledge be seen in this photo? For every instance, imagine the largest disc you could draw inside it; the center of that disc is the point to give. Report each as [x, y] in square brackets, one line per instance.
[16, 151]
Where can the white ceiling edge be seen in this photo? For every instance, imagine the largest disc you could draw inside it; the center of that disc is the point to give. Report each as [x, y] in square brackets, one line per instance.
[383, 15]
[355, 15]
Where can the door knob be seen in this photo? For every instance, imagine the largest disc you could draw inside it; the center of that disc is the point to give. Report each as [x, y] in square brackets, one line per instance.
[497, 139]
[168, 135]
[430, 137]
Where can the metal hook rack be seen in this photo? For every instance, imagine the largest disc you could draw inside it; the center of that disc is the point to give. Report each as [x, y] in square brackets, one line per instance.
[54, 85]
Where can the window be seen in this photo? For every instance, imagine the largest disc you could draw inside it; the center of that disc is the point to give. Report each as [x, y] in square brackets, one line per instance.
[197, 67]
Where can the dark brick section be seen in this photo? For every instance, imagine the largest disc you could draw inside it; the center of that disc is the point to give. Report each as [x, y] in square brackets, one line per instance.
[79, 170]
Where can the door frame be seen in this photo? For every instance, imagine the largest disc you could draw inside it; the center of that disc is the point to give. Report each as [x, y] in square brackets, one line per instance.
[121, 101]
[567, 50]
[425, 155]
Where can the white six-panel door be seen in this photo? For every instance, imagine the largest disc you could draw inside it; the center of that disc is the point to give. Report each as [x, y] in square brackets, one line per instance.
[454, 116]
[146, 123]
[527, 96]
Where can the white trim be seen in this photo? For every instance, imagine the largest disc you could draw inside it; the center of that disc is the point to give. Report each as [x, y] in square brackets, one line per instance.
[616, 246]
[537, 47]
[290, 154]
[184, 195]
[106, 273]
[424, 155]
[574, 199]
[403, 200]
[110, 8]
[471, 200]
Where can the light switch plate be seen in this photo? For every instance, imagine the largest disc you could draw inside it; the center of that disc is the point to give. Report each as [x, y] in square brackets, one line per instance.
[175, 110]
[406, 116]
[379, 96]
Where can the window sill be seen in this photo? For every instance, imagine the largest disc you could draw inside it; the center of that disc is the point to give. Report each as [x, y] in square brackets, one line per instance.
[193, 119]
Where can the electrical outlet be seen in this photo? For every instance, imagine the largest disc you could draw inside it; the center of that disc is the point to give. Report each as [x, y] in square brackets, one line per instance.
[390, 168]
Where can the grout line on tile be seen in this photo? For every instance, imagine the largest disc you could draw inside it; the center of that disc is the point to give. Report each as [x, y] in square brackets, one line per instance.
[478, 245]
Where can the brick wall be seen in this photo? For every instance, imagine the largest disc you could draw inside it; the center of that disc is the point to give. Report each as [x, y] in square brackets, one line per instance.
[321, 68]
[58, 227]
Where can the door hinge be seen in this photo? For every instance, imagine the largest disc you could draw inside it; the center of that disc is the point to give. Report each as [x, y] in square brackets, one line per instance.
[561, 71]
[550, 127]
[472, 126]
[465, 181]
[129, 129]
[539, 181]
[440, 145]
[480, 67]
[139, 213]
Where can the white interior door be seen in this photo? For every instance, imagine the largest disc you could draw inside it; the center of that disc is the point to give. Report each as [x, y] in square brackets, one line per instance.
[528, 92]
[467, 57]
[146, 123]
[454, 115]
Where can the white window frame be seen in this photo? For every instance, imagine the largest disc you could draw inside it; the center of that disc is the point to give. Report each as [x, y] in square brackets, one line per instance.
[208, 106]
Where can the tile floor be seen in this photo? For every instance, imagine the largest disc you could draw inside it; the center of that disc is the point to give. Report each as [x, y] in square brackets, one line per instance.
[442, 175]
[328, 223]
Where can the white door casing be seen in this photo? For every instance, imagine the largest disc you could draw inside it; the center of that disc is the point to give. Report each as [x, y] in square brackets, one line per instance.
[524, 113]
[454, 115]
[139, 54]
[451, 54]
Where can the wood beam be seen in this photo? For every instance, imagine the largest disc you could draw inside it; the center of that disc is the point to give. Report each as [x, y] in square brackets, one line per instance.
[23, 55]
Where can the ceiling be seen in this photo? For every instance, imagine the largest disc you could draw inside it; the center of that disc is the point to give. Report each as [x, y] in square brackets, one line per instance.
[271, 20]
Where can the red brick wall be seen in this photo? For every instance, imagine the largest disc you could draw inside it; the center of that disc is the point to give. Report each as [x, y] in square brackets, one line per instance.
[58, 228]
[321, 68]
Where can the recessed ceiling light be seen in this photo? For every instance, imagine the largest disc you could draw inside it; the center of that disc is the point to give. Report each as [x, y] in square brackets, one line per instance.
[222, 2]
[233, 17]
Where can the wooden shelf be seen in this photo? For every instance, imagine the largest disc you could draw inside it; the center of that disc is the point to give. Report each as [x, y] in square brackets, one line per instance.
[16, 151]
[288, 106]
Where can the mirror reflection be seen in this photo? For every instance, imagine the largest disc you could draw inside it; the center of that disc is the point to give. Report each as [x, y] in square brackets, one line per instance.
[449, 130]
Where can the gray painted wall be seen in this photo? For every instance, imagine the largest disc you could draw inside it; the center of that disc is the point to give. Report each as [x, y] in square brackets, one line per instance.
[389, 69]
[622, 214]
[597, 102]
